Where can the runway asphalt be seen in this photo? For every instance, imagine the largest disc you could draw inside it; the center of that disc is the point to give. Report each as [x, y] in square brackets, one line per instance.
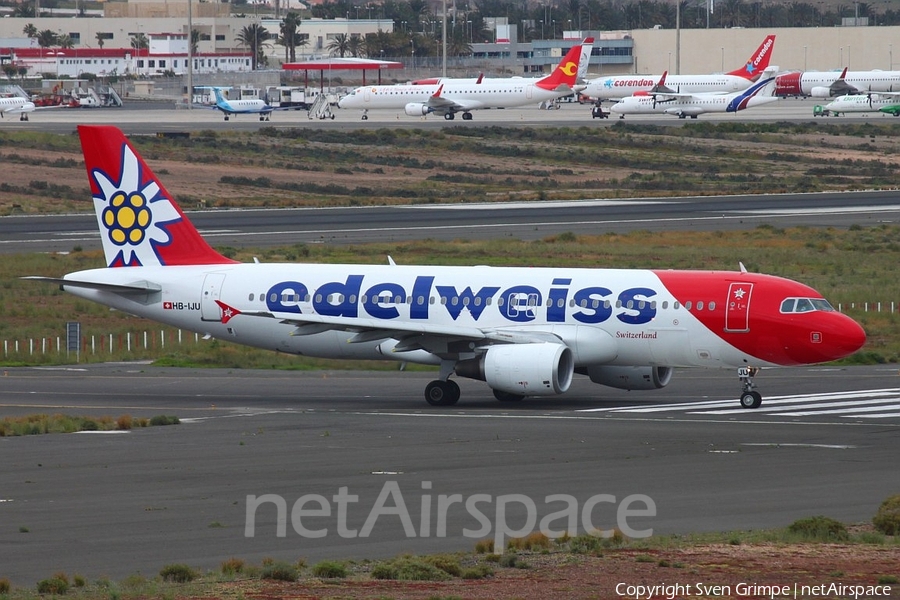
[824, 442]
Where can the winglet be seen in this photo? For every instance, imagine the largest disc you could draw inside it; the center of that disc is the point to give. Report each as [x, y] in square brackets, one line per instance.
[140, 222]
[757, 62]
[228, 312]
[843, 74]
[566, 72]
[480, 78]
[437, 94]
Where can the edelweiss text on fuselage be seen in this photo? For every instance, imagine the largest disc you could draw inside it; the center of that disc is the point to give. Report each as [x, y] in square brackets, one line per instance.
[517, 303]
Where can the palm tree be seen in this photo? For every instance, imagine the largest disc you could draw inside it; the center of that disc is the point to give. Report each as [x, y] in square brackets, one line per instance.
[47, 38]
[139, 41]
[195, 41]
[30, 30]
[289, 37]
[64, 41]
[356, 46]
[340, 44]
[254, 36]
[100, 40]
[24, 10]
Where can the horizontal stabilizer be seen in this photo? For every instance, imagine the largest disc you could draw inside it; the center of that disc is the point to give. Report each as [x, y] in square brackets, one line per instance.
[137, 287]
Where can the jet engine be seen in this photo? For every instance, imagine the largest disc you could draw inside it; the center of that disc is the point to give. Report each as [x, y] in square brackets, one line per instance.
[820, 91]
[417, 109]
[631, 378]
[543, 369]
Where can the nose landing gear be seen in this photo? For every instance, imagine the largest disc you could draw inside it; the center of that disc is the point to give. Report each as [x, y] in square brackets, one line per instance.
[750, 398]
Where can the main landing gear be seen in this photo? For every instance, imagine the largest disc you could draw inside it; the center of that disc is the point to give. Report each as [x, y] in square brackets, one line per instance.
[442, 391]
[750, 398]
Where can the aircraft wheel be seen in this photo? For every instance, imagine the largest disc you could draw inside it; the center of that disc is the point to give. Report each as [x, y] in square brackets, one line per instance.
[449, 116]
[365, 117]
[693, 116]
[226, 117]
[332, 117]
[442, 393]
[507, 396]
[752, 399]
[467, 116]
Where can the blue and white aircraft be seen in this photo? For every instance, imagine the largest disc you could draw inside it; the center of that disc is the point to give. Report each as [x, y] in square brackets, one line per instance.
[693, 105]
[252, 106]
[524, 331]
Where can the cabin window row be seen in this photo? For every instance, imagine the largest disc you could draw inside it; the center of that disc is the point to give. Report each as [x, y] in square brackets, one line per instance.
[477, 301]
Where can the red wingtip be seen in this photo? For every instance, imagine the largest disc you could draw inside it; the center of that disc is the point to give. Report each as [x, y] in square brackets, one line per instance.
[480, 78]
[843, 73]
[662, 80]
[228, 312]
[437, 94]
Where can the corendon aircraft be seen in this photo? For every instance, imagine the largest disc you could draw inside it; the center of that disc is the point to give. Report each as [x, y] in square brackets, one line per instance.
[616, 87]
[524, 331]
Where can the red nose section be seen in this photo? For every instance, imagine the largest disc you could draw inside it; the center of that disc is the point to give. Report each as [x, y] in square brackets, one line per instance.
[821, 337]
[788, 84]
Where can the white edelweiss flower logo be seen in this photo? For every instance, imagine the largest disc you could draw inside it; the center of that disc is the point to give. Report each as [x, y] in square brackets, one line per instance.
[134, 217]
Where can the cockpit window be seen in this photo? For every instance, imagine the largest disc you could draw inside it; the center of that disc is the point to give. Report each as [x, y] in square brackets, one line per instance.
[804, 305]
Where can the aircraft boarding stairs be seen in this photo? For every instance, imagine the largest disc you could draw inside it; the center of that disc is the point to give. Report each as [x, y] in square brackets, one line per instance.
[321, 108]
[14, 91]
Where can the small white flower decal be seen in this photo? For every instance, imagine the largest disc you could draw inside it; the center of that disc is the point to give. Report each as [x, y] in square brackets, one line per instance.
[133, 218]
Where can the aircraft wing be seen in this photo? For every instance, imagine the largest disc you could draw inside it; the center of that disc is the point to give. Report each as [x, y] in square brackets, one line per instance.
[411, 336]
[441, 104]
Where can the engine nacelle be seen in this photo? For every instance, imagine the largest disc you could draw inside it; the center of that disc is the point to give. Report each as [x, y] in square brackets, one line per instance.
[690, 111]
[820, 91]
[631, 378]
[543, 369]
[417, 109]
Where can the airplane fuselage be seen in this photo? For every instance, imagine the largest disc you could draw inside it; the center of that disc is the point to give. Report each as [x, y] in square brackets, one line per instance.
[618, 87]
[606, 316]
[696, 105]
[862, 103]
[817, 83]
[487, 94]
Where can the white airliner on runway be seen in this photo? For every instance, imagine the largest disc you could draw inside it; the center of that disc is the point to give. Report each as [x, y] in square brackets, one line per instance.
[616, 87]
[693, 105]
[449, 96]
[249, 106]
[525, 331]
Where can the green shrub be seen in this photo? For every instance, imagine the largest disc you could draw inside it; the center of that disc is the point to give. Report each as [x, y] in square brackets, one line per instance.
[4, 586]
[819, 528]
[280, 571]
[79, 581]
[533, 541]
[888, 580]
[478, 572]
[416, 569]
[179, 573]
[887, 519]
[485, 546]
[328, 569]
[509, 561]
[52, 586]
[160, 420]
[384, 571]
[447, 564]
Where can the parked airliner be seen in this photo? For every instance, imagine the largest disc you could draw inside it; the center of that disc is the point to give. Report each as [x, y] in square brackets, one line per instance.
[622, 86]
[886, 102]
[694, 105]
[524, 331]
[448, 97]
[828, 84]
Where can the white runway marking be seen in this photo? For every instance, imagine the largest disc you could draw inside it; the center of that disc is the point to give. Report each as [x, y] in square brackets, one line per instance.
[869, 404]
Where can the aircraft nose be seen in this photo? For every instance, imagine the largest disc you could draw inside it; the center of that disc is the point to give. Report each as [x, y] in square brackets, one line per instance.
[847, 337]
